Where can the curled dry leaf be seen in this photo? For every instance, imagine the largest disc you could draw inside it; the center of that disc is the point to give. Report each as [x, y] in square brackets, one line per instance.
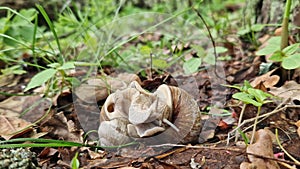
[263, 147]
[268, 80]
[169, 115]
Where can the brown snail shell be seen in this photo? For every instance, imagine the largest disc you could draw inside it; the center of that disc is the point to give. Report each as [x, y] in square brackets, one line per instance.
[169, 115]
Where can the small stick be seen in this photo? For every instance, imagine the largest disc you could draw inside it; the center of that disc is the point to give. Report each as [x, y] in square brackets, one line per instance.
[276, 110]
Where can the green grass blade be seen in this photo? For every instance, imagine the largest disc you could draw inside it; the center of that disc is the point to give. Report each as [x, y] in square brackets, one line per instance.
[15, 40]
[40, 142]
[51, 26]
[146, 30]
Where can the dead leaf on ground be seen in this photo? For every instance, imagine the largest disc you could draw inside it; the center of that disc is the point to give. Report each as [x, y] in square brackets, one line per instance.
[268, 80]
[9, 80]
[59, 127]
[30, 108]
[298, 125]
[12, 127]
[263, 147]
[290, 89]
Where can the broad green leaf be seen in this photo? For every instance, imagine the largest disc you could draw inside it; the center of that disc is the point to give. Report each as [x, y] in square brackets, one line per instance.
[210, 59]
[67, 65]
[160, 63]
[246, 98]
[272, 46]
[225, 58]
[246, 86]
[26, 32]
[259, 95]
[192, 65]
[277, 56]
[219, 49]
[199, 49]
[16, 69]
[257, 27]
[40, 78]
[53, 65]
[289, 50]
[26, 13]
[75, 162]
[19, 72]
[291, 62]
[145, 50]
[243, 31]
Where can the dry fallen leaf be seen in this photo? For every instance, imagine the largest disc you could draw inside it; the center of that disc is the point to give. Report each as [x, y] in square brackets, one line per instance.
[290, 89]
[30, 108]
[268, 80]
[263, 147]
[59, 127]
[13, 127]
[298, 125]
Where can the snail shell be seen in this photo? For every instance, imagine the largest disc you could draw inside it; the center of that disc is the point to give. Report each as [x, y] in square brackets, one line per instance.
[169, 115]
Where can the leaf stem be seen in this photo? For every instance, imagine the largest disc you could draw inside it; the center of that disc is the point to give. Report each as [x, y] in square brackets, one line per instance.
[240, 121]
[285, 25]
[255, 124]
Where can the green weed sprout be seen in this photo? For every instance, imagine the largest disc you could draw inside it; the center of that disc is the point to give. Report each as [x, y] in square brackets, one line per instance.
[75, 162]
[287, 55]
[249, 95]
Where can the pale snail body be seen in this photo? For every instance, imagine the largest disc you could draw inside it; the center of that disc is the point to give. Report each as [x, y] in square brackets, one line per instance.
[169, 115]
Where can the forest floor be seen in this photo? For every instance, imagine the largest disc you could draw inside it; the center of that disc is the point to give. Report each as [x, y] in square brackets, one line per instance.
[73, 114]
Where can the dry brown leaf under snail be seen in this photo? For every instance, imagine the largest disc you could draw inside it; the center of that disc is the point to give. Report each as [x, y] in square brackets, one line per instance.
[169, 115]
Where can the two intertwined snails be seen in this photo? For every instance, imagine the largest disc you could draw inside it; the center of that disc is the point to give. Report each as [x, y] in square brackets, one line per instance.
[169, 115]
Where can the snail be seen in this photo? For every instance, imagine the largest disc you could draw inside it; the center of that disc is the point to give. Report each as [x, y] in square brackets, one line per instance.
[169, 115]
[96, 89]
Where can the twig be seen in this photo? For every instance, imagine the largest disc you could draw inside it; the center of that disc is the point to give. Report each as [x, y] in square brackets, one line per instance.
[255, 124]
[240, 121]
[238, 150]
[212, 40]
[279, 144]
[276, 110]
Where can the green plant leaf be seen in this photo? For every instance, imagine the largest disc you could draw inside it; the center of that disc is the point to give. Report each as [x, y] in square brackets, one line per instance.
[209, 58]
[40, 78]
[67, 65]
[272, 46]
[145, 50]
[246, 86]
[75, 162]
[29, 14]
[160, 63]
[246, 98]
[192, 65]
[259, 95]
[219, 49]
[277, 56]
[291, 62]
[257, 27]
[233, 86]
[243, 31]
[199, 49]
[289, 50]
[244, 136]
[53, 65]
